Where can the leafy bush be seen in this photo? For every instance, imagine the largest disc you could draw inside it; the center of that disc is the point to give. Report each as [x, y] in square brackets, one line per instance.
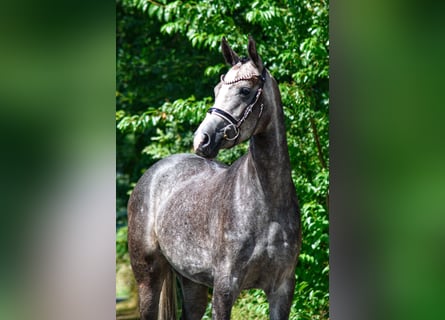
[168, 61]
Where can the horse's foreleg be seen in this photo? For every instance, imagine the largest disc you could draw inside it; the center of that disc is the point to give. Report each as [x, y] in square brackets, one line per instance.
[280, 300]
[194, 299]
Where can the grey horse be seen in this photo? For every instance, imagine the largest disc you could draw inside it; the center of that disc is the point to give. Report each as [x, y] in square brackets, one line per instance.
[210, 225]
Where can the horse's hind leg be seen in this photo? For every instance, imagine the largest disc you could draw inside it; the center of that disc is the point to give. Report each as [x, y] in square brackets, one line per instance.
[280, 300]
[225, 291]
[194, 299]
[150, 274]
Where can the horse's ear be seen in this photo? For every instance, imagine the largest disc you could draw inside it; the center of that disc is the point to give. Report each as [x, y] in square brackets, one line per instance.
[253, 54]
[230, 55]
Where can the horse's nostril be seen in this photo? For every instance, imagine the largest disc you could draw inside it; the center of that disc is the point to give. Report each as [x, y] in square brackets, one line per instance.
[205, 140]
[201, 141]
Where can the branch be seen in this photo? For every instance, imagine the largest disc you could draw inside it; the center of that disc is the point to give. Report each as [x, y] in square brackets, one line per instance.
[317, 141]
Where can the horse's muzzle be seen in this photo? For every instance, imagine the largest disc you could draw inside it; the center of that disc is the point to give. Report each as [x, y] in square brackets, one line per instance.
[202, 140]
[206, 145]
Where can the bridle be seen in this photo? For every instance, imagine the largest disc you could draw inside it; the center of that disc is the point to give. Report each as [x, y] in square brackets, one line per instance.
[233, 122]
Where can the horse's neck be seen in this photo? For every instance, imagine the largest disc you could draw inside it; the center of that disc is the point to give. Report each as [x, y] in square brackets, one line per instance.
[269, 155]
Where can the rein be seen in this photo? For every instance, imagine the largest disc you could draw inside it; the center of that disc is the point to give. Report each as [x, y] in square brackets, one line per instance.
[233, 122]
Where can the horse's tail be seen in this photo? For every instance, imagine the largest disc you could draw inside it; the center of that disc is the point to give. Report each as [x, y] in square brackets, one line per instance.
[167, 300]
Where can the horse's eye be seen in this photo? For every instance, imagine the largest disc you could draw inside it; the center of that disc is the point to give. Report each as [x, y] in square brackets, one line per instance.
[245, 91]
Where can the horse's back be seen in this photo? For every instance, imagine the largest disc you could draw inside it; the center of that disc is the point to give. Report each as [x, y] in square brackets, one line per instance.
[167, 174]
[164, 178]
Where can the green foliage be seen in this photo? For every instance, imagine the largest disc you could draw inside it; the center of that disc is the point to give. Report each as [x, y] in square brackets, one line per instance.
[252, 304]
[168, 62]
[121, 245]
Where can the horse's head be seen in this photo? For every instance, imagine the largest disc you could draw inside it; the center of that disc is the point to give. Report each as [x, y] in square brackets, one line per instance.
[238, 104]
